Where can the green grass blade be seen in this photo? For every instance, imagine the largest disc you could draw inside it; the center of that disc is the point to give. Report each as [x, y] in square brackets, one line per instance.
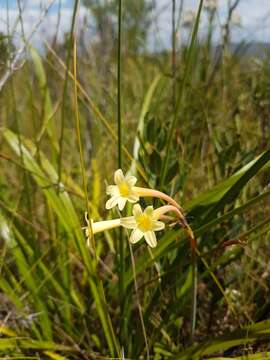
[235, 189]
[168, 241]
[256, 332]
[214, 195]
[145, 108]
[48, 111]
[46, 177]
[186, 77]
[257, 356]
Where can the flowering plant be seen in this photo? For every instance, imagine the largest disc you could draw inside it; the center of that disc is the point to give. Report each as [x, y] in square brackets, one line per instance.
[143, 223]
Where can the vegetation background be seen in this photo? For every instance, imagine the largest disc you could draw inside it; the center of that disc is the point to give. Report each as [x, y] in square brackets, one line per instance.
[191, 120]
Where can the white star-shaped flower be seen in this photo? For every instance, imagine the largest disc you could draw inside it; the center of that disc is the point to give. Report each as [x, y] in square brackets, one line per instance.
[121, 192]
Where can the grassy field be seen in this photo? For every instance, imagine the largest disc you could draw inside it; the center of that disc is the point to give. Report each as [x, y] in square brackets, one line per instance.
[189, 122]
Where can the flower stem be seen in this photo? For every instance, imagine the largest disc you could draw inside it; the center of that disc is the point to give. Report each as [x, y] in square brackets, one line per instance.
[167, 208]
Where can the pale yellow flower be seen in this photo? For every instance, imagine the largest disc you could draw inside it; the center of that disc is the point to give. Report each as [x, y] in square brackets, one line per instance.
[122, 192]
[144, 224]
[125, 190]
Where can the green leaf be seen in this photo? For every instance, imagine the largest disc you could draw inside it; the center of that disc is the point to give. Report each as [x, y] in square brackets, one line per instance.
[29, 344]
[144, 111]
[258, 356]
[250, 334]
[173, 239]
[235, 189]
[172, 172]
[48, 111]
[227, 190]
[46, 177]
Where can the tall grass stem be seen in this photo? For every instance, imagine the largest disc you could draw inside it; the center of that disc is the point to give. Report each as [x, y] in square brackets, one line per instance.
[186, 76]
[64, 95]
[121, 246]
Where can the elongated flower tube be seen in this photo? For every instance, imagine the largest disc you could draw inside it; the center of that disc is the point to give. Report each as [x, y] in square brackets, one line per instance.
[145, 192]
[99, 226]
[125, 190]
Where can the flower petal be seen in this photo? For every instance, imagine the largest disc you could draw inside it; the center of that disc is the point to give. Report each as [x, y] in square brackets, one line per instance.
[149, 210]
[118, 177]
[137, 210]
[158, 225]
[131, 180]
[112, 190]
[135, 236]
[150, 238]
[128, 222]
[121, 202]
[112, 202]
[133, 198]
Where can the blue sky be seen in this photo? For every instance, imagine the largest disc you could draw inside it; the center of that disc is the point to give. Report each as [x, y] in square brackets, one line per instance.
[255, 19]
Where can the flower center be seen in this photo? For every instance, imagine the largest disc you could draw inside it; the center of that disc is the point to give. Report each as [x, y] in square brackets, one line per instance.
[144, 222]
[124, 189]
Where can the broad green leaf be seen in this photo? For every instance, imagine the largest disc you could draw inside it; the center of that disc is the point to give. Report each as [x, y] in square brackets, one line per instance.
[235, 189]
[239, 179]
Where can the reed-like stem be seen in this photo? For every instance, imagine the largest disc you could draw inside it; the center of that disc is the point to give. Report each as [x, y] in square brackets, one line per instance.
[173, 57]
[107, 323]
[64, 94]
[121, 244]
